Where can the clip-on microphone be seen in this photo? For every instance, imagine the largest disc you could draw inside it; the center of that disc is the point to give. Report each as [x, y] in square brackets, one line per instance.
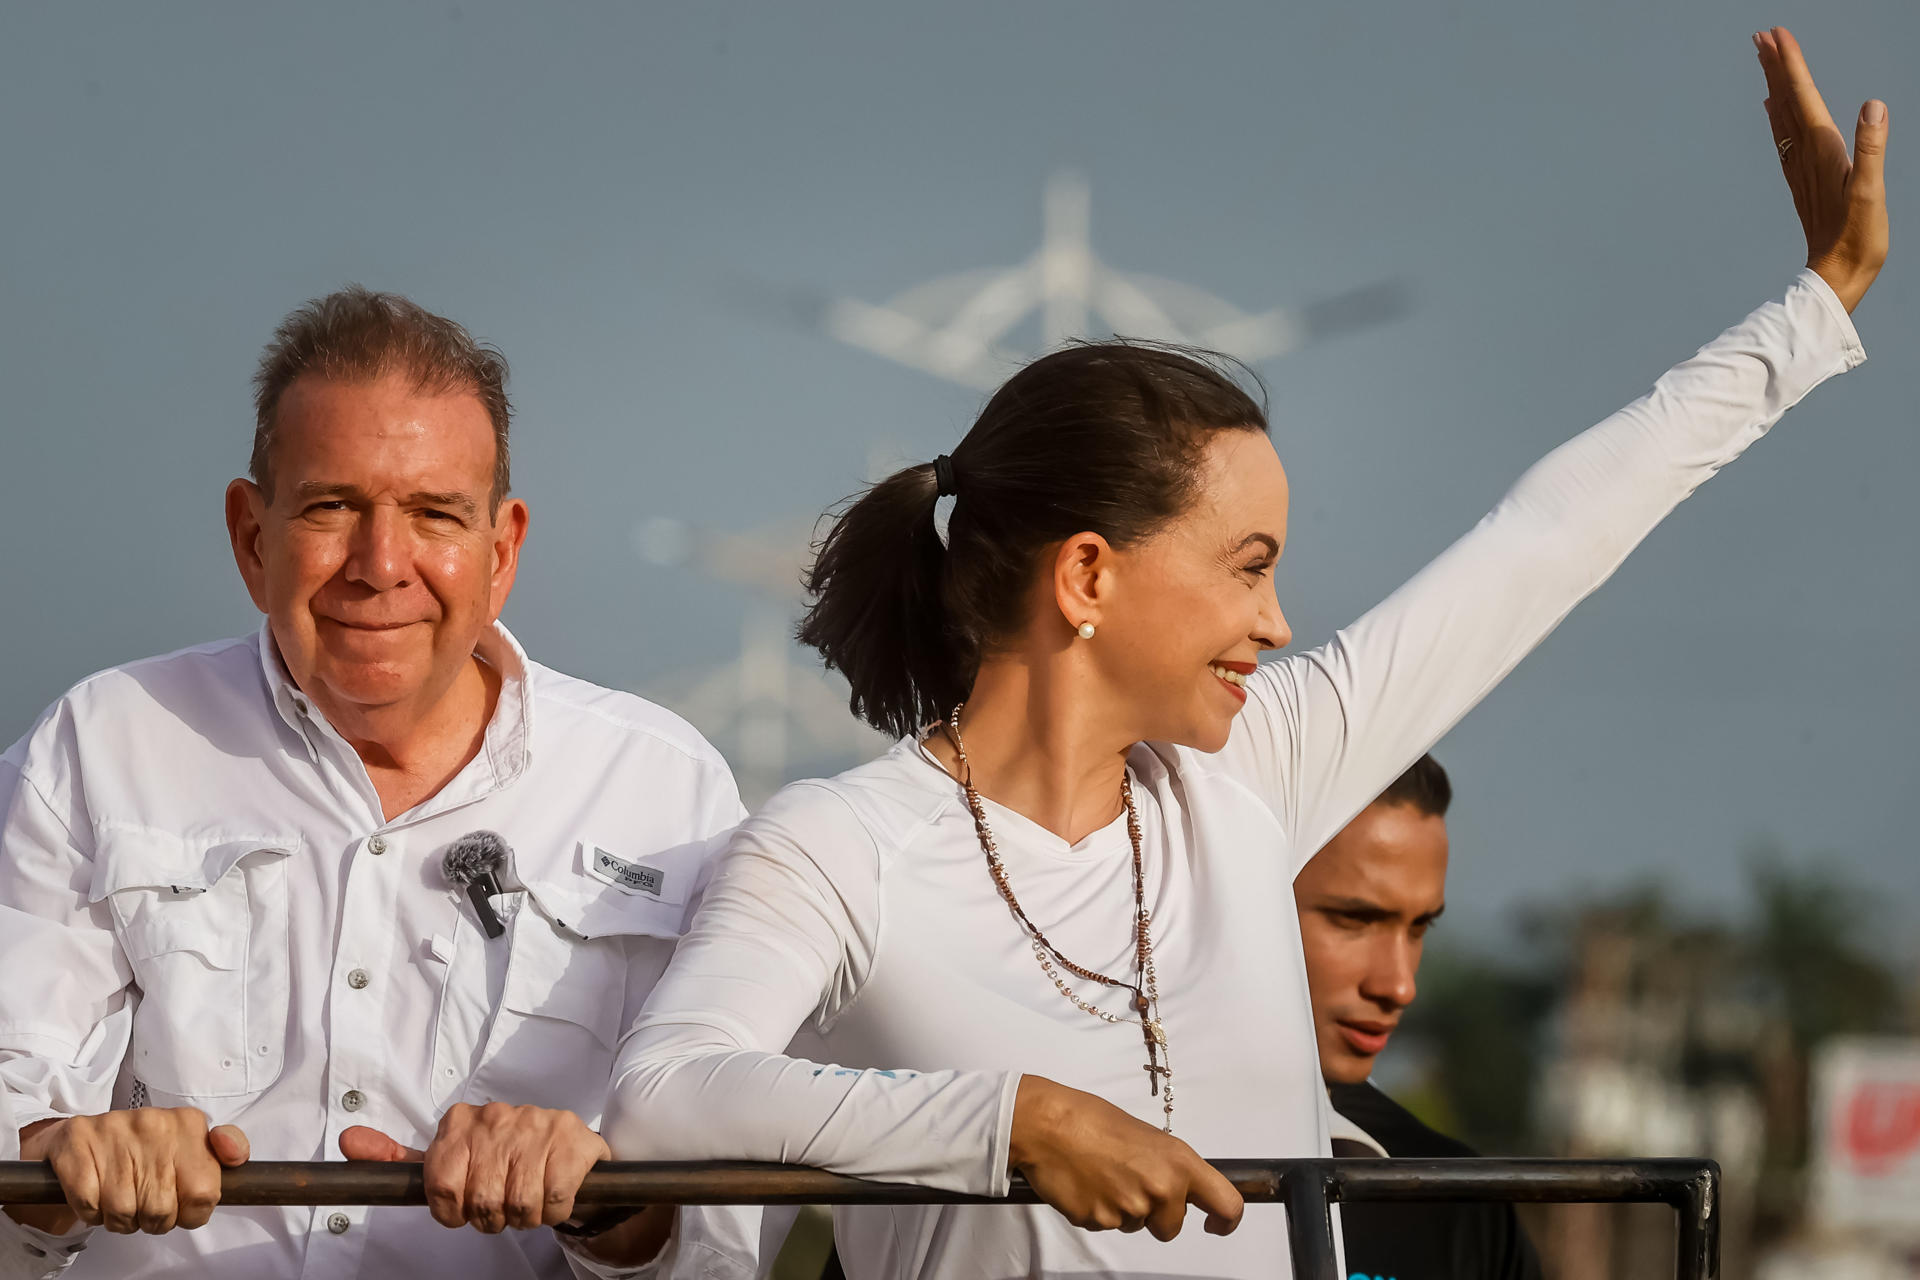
[470, 862]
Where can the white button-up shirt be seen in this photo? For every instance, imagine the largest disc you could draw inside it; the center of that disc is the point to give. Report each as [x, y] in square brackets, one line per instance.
[202, 904]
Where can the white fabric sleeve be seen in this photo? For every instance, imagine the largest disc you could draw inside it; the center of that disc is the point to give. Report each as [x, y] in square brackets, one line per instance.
[64, 1011]
[27, 1254]
[1324, 732]
[788, 931]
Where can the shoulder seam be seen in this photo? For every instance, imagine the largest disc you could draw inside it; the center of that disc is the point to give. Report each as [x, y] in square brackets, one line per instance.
[710, 756]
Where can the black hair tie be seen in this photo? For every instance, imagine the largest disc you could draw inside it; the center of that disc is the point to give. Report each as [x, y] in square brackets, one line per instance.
[943, 480]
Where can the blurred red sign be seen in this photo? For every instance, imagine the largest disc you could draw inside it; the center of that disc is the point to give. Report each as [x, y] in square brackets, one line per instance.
[1882, 1124]
[1866, 1106]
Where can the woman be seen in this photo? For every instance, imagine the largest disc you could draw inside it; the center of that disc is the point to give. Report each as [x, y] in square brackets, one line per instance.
[1051, 930]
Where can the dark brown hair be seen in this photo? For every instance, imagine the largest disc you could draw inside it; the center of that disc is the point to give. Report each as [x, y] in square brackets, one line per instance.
[356, 335]
[1424, 786]
[1102, 437]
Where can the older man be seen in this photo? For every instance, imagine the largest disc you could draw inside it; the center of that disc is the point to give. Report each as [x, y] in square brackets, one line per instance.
[1366, 902]
[369, 877]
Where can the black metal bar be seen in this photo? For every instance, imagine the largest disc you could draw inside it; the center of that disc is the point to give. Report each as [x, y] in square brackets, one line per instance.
[1699, 1244]
[1306, 1187]
[1310, 1221]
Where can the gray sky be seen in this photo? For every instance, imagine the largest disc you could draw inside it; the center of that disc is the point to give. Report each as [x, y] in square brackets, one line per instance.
[609, 192]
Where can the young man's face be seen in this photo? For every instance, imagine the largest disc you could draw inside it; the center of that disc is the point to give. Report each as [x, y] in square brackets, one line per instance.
[1366, 902]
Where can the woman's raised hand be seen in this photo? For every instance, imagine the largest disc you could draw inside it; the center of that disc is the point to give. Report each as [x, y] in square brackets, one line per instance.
[1841, 199]
[1104, 1170]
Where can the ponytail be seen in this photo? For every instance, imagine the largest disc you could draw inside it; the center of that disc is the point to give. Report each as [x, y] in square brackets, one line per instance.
[877, 616]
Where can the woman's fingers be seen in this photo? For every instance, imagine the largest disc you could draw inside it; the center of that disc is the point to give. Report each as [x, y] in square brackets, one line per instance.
[1804, 96]
[1870, 153]
[1212, 1194]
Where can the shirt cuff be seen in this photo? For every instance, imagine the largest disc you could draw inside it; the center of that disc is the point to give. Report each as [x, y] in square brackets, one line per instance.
[1851, 347]
[708, 1242]
[27, 1253]
[999, 1170]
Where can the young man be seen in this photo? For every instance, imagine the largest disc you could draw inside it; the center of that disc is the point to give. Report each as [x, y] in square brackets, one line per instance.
[365, 881]
[1366, 901]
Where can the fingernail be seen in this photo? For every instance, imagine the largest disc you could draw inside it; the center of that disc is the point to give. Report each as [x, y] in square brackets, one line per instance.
[1875, 112]
[1756, 40]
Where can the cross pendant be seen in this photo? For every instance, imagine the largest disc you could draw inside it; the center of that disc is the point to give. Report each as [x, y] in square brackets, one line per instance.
[1154, 1071]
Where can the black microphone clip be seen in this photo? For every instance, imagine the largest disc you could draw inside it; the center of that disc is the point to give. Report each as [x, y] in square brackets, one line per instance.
[470, 862]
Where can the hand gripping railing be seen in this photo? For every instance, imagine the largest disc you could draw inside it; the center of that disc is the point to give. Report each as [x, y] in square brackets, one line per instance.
[1306, 1187]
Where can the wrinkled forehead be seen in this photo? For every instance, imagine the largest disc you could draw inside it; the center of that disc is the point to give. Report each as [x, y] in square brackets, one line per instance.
[385, 424]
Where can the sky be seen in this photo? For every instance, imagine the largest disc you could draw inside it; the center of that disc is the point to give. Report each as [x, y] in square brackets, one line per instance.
[620, 197]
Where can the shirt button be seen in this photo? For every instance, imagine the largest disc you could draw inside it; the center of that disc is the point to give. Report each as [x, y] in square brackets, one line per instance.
[358, 979]
[377, 845]
[353, 1099]
[339, 1223]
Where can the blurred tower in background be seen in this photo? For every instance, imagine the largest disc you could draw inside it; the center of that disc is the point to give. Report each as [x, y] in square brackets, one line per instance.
[966, 328]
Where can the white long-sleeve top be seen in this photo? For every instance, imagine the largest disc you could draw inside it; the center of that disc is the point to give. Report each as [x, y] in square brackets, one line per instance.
[858, 910]
[203, 904]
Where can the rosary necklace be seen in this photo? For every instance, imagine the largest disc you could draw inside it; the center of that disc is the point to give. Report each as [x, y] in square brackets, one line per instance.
[1146, 992]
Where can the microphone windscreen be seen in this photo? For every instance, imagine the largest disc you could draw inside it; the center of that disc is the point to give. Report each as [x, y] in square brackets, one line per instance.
[473, 855]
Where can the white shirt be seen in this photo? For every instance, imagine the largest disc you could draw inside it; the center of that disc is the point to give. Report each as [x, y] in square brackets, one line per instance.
[859, 910]
[202, 904]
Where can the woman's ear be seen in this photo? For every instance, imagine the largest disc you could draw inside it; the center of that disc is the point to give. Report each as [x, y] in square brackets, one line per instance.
[1082, 579]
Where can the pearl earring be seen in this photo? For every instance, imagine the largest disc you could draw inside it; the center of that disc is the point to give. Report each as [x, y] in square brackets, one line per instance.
[1086, 631]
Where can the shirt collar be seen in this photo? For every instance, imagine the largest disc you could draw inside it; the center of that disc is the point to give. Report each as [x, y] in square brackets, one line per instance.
[508, 745]
[1340, 1129]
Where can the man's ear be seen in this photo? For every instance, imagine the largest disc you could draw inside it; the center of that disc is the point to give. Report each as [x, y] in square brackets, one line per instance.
[509, 535]
[246, 519]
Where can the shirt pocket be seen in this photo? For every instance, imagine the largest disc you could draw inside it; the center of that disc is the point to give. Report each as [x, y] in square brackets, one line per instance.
[203, 924]
[564, 997]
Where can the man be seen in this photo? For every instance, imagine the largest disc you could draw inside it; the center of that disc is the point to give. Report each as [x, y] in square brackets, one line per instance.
[1366, 902]
[229, 922]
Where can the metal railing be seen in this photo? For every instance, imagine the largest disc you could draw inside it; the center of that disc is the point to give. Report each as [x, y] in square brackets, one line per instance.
[1306, 1187]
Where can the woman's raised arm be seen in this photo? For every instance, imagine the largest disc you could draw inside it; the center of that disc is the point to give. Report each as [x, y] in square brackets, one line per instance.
[1325, 731]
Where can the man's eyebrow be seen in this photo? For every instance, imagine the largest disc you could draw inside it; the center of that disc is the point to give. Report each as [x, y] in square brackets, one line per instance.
[1273, 543]
[459, 501]
[319, 489]
[309, 490]
[1432, 915]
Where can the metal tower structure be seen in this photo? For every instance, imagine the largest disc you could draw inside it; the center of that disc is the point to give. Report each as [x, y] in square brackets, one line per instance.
[961, 327]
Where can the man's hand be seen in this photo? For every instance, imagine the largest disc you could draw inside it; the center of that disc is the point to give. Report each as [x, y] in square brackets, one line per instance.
[1842, 201]
[150, 1169]
[495, 1166]
[1104, 1170]
[499, 1166]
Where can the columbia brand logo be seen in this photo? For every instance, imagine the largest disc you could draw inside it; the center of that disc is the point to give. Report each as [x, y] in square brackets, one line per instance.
[630, 874]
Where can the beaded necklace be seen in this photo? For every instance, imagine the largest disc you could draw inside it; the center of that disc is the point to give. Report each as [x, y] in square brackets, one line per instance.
[1146, 992]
